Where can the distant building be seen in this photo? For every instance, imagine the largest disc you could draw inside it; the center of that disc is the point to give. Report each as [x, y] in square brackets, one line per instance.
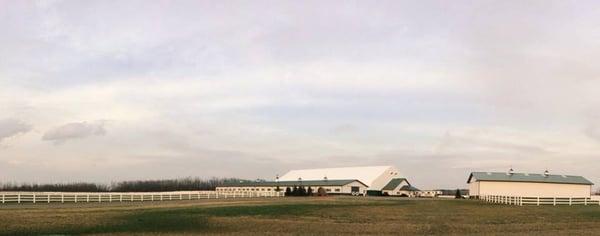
[342, 187]
[528, 185]
[376, 177]
[344, 180]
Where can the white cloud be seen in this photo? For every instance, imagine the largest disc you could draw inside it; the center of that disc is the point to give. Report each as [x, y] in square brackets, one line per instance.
[12, 127]
[76, 130]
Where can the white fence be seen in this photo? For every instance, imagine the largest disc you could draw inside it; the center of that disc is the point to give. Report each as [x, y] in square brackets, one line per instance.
[521, 201]
[62, 197]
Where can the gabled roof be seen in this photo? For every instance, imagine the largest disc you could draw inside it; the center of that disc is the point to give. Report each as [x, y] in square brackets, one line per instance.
[393, 184]
[366, 174]
[524, 177]
[333, 182]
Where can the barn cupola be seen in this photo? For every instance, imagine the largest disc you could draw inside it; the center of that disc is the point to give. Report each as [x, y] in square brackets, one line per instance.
[277, 178]
[325, 178]
[546, 173]
[511, 171]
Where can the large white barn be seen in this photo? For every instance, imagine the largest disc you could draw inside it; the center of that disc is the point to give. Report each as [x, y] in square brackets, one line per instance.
[376, 177]
[528, 185]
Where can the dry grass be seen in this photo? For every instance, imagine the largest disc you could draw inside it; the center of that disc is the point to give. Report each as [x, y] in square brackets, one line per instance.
[301, 216]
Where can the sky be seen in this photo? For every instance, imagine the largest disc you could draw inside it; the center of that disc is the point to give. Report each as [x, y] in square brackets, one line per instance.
[103, 91]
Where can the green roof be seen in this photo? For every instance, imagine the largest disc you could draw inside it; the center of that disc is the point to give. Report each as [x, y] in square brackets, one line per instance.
[524, 177]
[409, 188]
[393, 184]
[333, 182]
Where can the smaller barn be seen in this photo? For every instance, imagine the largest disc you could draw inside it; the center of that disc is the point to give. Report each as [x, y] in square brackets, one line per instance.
[527, 185]
[341, 187]
[398, 187]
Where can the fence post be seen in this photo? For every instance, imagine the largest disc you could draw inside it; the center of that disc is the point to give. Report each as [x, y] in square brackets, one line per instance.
[19, 198]
[34, 198]
[585, 201]
[75, 198]
[570, 201]
[538, 201]
[120, 197]
[555, 201]
[3, 198]
[48, 198]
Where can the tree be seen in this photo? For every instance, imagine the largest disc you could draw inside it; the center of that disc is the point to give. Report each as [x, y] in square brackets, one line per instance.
[302, 191]
[458, 195]
[295, 191]
[288, 192]
[277, 189]
[321, 191]
[310, 191]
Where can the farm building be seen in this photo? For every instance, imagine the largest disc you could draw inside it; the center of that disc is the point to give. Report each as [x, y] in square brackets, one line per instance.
[375, 177]
[349, 186]
[399, 187]
[528, 185]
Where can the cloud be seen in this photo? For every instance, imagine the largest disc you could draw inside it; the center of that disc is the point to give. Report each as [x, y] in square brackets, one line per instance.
[12, 127]
[76, 130]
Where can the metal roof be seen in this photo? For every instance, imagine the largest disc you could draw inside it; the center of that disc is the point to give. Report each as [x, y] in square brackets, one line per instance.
[393, 184]
[409, 188]
[366, 174]
[331, 182]
[525, 177]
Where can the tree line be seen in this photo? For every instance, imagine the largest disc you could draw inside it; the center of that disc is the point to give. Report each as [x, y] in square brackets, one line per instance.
[182, 184]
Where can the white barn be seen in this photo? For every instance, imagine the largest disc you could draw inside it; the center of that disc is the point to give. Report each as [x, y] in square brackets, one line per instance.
[376, 177]
[528, 185]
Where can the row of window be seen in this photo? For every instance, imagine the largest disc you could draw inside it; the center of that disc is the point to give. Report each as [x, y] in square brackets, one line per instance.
[235, 189]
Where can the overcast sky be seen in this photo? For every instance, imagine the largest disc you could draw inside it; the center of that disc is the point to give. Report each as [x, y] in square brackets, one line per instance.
[120, 90]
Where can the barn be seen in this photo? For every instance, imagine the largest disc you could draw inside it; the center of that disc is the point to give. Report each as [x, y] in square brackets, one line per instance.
[341, 187]
[527, 185]
[375, 177]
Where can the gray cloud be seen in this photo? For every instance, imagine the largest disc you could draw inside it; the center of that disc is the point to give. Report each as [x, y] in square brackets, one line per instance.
[74, 130]
[12, 127]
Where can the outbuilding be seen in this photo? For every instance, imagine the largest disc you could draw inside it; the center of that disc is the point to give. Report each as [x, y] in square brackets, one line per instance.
[527, 185]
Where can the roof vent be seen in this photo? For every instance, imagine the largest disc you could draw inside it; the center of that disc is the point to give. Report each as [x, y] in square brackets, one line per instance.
[546, 173]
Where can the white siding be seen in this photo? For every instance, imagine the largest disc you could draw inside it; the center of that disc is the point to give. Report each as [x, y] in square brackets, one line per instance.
[529, 189]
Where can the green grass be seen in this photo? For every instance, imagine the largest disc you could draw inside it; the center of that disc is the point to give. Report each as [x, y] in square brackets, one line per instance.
[302, 216]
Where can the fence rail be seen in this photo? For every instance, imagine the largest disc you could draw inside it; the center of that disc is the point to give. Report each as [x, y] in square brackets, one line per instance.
[554, 201]
[63, 197]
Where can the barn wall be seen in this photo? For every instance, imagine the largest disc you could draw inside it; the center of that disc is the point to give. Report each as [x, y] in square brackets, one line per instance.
[533, 189]
[474, 188]
[384, 178]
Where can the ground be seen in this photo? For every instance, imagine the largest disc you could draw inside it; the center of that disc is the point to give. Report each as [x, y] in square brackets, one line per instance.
[300, 216]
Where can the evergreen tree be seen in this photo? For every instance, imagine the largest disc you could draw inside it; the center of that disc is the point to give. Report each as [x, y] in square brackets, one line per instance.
[288, 192]
[302, 191]
[458, 195]
[310, 191]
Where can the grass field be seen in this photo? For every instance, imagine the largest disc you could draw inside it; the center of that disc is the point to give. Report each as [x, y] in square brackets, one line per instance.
[303, 216]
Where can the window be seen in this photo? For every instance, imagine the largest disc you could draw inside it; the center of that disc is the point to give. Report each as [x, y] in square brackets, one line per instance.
[328, 190]
[337, 189]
